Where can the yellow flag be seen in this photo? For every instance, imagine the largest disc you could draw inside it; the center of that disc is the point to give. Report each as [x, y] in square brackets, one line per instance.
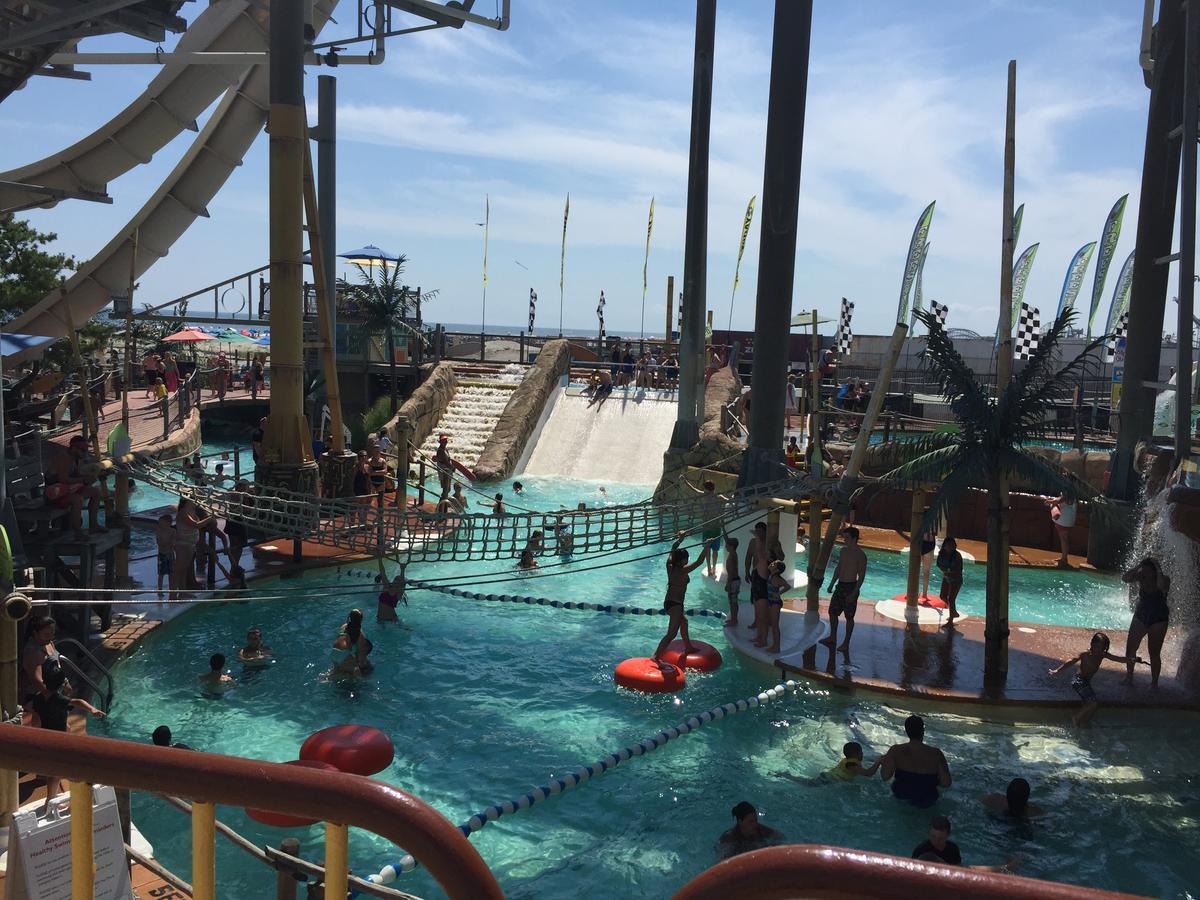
[562, 262]
[742, 244]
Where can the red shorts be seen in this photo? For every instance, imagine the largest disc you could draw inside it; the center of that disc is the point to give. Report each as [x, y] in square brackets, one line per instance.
[60, 493]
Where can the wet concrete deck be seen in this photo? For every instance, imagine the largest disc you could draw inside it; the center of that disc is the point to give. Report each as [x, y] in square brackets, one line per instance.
[946, 664]
[1022, 557]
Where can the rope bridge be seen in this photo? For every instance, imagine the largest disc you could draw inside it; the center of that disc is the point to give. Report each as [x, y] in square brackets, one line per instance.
[373, 526]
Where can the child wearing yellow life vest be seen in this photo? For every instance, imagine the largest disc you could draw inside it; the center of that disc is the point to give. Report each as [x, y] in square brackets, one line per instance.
[851, 765]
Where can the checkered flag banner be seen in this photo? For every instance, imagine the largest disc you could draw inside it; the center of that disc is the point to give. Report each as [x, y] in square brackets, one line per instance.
[1028, 332]
[844, 334]
[532, 308]
[1110, 349]
[600, 316]
[679, 317]
[940, 311]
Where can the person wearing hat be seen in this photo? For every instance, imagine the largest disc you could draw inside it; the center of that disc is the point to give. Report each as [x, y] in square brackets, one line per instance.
[847, 581]
[445, 465]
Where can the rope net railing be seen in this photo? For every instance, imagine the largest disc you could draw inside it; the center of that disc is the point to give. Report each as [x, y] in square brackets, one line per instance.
[374, 525]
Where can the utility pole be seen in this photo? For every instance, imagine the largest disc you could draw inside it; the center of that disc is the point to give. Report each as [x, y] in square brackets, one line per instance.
[763, 459]
[695, 242]
[1187, 235]
[995, 633]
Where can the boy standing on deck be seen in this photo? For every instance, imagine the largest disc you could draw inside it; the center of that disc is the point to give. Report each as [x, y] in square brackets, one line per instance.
[847, 581]
[164, 537]
[733, 584]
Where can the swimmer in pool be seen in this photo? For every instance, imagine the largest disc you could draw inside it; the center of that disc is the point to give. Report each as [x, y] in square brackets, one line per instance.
[216, 680]
[527, 561]
[918, 769]
[849, 768]
[518, 488]
[351, 648]
[1014, 802]
[389, 598]
[255, 653]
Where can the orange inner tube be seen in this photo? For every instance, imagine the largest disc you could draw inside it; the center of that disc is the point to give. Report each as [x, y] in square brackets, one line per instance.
[642, 674]
[705, 658]
[358, 749]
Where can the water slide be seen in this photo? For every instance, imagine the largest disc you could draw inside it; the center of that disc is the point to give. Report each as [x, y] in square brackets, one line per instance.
[168, 106]
[623, 441]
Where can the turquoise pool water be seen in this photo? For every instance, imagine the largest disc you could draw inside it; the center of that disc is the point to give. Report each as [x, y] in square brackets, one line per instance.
[485, 702]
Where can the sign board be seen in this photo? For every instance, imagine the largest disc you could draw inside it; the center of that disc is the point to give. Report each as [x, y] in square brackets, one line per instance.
[39, 853]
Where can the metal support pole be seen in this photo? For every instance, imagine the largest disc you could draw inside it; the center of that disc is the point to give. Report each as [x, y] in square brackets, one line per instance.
[1187, 235]
[1155, 227]
[670, 310]
[287, 128]
[326, 134]
[695, 242]
[777, 241]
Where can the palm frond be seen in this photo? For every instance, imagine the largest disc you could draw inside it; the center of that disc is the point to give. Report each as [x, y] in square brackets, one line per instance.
[1043, 476]
[969, 473]
[955, 379]
[934, 466]
[895, 453]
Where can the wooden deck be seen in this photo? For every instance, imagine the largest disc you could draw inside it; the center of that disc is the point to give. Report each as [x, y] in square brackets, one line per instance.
[1021, 557]
[946, 664]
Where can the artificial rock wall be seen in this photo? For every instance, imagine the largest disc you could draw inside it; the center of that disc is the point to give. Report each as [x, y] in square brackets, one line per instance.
[425, 407]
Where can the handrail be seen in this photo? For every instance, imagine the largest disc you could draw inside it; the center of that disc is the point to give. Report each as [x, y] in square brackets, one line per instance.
[812, 870]
[336, 798]
[106, 698]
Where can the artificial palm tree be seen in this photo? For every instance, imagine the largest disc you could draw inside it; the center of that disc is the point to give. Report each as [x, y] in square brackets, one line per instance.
[384, 303]
[989, 446]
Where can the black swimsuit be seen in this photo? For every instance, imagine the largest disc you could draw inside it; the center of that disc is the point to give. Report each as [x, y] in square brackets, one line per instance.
[1152, 608]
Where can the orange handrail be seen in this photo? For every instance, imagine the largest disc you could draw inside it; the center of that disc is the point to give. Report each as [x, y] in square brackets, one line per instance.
[813, 871]
[389, 812]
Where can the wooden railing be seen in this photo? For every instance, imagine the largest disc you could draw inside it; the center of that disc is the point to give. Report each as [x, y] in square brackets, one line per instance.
[337, 799]
[812, 871]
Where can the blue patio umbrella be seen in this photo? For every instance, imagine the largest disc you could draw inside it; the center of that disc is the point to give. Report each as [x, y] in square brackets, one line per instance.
[369, 256]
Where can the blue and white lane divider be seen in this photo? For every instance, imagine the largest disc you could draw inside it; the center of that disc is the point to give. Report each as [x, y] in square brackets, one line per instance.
[407, 863]
[559, 604]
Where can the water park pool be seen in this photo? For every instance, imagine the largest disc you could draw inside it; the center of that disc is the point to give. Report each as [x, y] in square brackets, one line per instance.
[487, 701]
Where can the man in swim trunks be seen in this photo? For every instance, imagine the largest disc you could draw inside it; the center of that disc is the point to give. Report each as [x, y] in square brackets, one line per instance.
[757, 565]
[847, 581]
[918, 769]
[603, 390]
[445, 465]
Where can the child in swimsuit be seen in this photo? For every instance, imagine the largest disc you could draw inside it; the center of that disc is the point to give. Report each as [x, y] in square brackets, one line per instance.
[776, 585]
[1089, 664]
[733, 584]
[389, 598]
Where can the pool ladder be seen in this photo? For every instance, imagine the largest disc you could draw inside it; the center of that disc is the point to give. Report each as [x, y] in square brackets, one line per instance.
[106, 695]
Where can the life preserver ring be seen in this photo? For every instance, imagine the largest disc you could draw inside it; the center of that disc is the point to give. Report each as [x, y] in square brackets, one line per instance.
[932, 601]
[706, 657]
[358, 749]
[642, 674]
[283, 820]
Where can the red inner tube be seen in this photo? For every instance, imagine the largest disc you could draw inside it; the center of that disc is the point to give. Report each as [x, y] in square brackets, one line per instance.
[647, 676]
[282, 820]
[358, 749]
[705, 658]
[931, 600]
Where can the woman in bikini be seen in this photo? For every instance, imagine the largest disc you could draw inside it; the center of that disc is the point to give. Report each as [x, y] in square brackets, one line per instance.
[1151, 616]
[928, 544]
[678, 570]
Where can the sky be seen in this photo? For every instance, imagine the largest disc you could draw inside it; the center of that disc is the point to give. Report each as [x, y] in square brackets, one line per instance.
[905, 105]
